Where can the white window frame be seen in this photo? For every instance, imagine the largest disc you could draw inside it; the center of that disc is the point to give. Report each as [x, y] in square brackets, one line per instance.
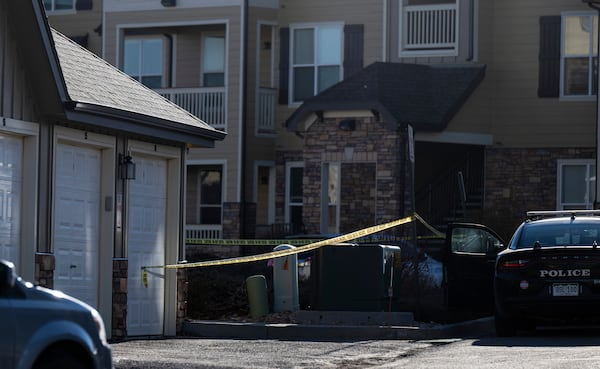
[589, 163]
[315, 27]
[592, 44]
[288, 203]
[54, 10]
[164, 61]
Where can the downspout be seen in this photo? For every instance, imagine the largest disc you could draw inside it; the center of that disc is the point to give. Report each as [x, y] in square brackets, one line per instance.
[596, 204]
[243, 209]
[471, 30]
[384, 30]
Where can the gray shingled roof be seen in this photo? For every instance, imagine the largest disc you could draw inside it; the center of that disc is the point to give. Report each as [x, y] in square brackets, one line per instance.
[425, 96]
[92, 80]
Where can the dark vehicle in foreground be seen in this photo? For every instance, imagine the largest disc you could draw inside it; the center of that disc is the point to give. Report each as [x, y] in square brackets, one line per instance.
[550, 272]
[46, 329]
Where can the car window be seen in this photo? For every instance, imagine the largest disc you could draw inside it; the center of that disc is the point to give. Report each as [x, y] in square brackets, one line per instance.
[560, 235]
[469, 240]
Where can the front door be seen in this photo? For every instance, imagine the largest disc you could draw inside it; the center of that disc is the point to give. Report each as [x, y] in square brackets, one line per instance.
[76, 222]
[146, 246]
[469, 263]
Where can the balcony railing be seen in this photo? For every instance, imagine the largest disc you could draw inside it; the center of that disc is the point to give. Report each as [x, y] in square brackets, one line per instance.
[429, 28]
[265, 110]
[207, 104]
[203, 232]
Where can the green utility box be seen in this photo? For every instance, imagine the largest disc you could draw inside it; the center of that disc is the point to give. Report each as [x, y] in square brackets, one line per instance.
[353, 278]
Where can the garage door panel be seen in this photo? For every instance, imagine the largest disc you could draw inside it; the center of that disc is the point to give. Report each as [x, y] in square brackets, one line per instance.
[146, 246]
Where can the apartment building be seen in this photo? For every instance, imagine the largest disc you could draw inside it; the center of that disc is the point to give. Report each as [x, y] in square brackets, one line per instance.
[339, 113]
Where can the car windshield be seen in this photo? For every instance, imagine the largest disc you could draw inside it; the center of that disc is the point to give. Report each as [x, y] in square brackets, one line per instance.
[553, 234]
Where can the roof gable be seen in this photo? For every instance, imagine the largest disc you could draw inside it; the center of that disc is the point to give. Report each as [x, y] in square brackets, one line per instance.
[425, 96]
[74, 84]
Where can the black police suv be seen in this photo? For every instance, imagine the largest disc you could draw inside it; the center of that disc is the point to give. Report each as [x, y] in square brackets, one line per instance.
[550, 272]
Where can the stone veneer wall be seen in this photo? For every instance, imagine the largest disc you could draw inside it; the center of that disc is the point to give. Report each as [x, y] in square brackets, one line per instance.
[371, 147]
[44, 270]
[518, 180]
[119, 299]
[182, 291]
[231, 220]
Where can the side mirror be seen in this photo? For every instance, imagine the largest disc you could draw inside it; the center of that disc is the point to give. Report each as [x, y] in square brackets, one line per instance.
[494, 246]
[7, 275]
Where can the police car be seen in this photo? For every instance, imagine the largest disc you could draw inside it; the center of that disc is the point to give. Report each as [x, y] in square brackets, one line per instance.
[550, 272]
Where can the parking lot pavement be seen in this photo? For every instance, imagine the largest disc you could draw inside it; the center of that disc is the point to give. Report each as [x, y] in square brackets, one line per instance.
[195, 353]
[205, 343]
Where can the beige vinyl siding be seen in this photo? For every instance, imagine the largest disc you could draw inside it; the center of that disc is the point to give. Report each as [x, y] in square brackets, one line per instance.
[258, 147]
[191, 22]
[80, 23]
[518, 117]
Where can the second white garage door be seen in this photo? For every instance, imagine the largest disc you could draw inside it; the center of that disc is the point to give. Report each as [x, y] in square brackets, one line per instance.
[146, 246]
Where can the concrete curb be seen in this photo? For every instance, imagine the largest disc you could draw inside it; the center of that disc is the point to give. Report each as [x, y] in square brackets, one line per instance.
[326, 332]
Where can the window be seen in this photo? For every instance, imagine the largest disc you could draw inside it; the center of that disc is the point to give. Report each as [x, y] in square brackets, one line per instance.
[295, 174]
[579, 55]
[576, 184]
[472, 241]
[330, 218]
[144, 60]
[57, 5]
[316, 55]
[213, 62]
[204, 194]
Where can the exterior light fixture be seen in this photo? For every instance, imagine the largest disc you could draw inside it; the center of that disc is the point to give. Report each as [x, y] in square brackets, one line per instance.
[347, 124]
[126, 167]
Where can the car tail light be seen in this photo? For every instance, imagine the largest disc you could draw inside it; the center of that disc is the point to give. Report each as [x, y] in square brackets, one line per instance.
[512, 264]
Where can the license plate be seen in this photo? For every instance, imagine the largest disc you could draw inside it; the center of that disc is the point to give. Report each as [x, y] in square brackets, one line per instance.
[565, 289]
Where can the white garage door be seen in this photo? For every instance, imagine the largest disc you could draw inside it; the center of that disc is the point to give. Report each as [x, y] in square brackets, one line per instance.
[11, 154]
[146, 246]
[76, 222]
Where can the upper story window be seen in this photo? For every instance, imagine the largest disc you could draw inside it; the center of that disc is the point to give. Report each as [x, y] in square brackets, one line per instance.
[58, 5]
[579, 55]
[213, 61]
[316, 59]
[143, 60]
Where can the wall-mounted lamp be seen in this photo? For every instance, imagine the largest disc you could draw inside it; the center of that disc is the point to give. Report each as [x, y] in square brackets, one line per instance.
[126, 167]
[347, 124]
[168, 3]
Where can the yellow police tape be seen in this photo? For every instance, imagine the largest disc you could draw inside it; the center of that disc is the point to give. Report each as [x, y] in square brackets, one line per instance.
[280, 253]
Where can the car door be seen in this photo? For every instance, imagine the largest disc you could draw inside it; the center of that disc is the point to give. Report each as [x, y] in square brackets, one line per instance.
[469, 261]
[7, 329]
